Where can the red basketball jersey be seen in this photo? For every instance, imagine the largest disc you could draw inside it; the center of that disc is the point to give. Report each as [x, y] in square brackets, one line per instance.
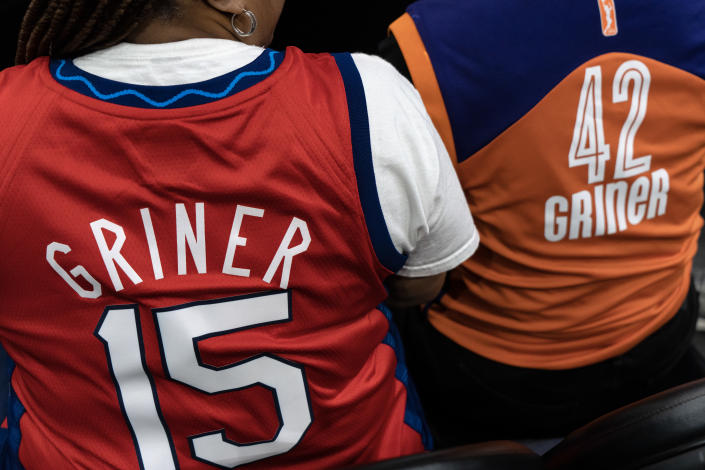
[192, 274]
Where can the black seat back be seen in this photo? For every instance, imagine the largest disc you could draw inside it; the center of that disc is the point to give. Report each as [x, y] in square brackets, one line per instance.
[496, 455]
[663, 431]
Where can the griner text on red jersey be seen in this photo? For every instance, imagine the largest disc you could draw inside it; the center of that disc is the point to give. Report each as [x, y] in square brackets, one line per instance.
[185, 236]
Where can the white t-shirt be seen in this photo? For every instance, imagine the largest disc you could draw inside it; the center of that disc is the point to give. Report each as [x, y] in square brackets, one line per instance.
[423, 205]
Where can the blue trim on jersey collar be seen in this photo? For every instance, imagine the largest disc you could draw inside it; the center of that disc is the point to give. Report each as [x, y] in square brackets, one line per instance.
[364, 170]
[165, 97]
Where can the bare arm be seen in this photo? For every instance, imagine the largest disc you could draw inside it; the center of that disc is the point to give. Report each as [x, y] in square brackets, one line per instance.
[409, 291]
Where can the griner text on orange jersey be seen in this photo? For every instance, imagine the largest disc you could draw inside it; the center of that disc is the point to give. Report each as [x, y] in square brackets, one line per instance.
[185, 235]
[609, 208]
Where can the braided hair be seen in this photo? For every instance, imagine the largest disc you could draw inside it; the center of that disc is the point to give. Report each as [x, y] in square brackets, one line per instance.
[65, 28]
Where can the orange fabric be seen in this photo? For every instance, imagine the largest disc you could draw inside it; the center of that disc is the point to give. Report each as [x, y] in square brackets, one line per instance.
[586, 296]
[424, 78]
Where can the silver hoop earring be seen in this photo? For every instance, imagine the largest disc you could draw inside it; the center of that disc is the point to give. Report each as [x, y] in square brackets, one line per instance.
[253, 24]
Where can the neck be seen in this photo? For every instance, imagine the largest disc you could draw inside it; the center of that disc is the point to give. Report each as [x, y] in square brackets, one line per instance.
[200, 24]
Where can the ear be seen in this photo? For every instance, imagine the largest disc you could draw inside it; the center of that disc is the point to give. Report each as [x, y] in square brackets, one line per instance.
[228, 6]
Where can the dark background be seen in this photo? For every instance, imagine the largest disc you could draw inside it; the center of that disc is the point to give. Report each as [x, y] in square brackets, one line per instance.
[312, 25]
[11, 13]
[336, 26]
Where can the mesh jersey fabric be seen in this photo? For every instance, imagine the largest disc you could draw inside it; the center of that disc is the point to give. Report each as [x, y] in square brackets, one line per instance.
[200, 282]
[423, 206]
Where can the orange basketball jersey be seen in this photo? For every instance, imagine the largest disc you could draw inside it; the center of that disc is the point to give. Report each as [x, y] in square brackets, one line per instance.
[578, 130]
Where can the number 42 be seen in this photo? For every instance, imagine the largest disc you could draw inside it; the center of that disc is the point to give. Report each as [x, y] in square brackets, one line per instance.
[588, 146]
[179, 329]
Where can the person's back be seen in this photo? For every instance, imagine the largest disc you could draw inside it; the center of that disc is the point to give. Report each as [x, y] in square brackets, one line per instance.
[578, 133]
[193, 272]
[209, 230]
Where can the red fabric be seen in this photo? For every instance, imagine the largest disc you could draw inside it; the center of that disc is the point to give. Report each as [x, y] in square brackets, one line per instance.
[282, 146]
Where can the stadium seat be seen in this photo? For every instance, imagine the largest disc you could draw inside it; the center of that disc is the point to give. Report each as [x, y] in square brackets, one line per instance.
[495, 455]
[663, 431]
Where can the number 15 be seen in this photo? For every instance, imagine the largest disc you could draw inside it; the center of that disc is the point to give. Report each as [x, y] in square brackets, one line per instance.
[180, 328]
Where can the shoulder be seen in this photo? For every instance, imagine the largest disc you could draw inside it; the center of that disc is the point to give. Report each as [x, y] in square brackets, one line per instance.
[376, 64]
[402, 133]
[21, 90]
[22, 73]
[379, 75]
[21, 85]
[413, 173]
[310, 59]
[388, 92]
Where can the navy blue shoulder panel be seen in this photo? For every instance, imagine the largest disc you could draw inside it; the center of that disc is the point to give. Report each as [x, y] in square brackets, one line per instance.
[496, 59]
[364, 170]
[166, 97]
[10, 451]
[413, 415]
